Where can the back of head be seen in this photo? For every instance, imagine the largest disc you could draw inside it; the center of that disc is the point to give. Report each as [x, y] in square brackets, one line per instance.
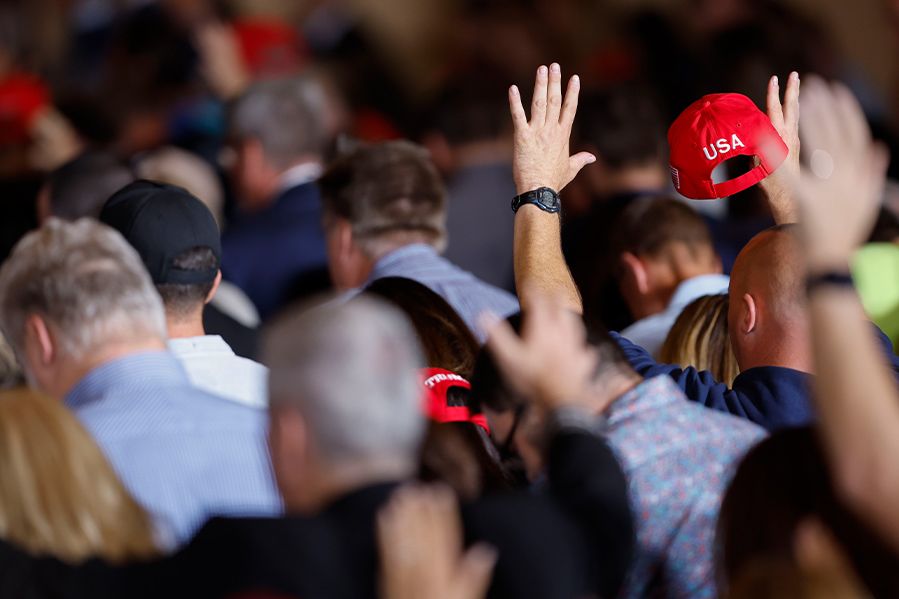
[491, 391]
[445, 339]
[624, 125]
[473, 110]
[699, 338]
[771, 267]
[778, 579]
[768, 320]
[285, 116]
[88, 284]
[81, 186]
[650, 226]
[179, 167]
[58, 494]
[781, 483]
[176, 237]
[351, 370]
[388, 190]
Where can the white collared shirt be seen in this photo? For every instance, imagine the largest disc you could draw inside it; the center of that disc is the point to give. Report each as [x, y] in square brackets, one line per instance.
[650, 332]
[300, 175]
[213, 366]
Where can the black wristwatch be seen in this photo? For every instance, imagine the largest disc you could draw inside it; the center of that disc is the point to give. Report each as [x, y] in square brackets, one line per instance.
[544, 198]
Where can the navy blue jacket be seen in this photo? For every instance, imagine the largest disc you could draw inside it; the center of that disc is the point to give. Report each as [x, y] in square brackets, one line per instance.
[267, 253]
[771, 396]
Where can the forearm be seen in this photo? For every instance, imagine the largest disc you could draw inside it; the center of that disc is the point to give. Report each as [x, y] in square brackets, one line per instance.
[783, 208]
[858, 405]
[540, 266]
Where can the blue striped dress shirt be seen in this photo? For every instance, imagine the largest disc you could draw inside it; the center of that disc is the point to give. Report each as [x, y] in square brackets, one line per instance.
[184, 454]
[468, 295]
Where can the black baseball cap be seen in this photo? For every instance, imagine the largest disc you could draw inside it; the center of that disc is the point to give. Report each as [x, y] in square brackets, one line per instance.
[162, 221]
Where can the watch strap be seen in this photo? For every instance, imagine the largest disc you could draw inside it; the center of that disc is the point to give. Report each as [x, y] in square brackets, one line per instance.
[545, 198]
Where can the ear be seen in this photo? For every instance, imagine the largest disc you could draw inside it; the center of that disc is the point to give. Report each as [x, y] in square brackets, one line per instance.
[40, 346]
[748, 314]
[215, 287]
[346, 245]
[288, 442]
[635, 270]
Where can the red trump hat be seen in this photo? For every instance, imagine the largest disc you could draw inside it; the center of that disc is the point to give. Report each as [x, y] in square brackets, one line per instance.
[446, 398]
[717, 128]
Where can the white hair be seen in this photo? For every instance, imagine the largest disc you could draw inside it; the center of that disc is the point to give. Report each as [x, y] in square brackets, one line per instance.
[352, 370]
[86, 281]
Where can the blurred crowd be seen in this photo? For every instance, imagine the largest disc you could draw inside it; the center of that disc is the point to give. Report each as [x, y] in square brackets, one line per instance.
[368, 299]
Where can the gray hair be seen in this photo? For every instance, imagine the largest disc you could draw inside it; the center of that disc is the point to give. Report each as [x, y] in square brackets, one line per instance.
[285, 115]
[351, 369]
[86, 281]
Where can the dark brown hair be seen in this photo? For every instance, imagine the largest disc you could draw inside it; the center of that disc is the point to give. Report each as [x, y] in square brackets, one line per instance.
[446, 340]
[387, 187]
[647, 225]
[782, 481]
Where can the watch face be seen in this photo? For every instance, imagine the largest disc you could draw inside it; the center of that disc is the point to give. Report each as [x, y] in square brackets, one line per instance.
[549, 200]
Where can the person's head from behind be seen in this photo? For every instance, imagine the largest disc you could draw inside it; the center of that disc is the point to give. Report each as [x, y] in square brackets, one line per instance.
[517, 429]
[74, 296]
[378, 198]
[623, 126]
[446, 340]
[178, 240]
[179, 167]
[766, 306]
[81, 186]
[699, 338]
[781, 505]
[58, 494]
[346, 400]
[273, 126]
[457, 449]
[470, 123]
[658, 243]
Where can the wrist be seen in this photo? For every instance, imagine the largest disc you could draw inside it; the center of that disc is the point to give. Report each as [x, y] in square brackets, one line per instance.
[526, 185]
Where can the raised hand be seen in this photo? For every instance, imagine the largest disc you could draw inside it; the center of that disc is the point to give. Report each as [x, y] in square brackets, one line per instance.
[541, 157]
[220, 60]
[420, 541]
[551, 361]
[840, 194]
[785, 118]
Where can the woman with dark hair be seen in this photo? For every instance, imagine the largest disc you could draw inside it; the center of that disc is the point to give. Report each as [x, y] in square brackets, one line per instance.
[446, 340]
[781, 506]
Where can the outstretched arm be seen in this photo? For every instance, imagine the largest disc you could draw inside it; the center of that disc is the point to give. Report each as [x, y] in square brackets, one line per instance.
[855, 391]
[541, 159]
[785, 119]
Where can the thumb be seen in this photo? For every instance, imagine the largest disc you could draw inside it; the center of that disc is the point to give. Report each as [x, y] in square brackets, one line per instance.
[579, 161]
[475, 572]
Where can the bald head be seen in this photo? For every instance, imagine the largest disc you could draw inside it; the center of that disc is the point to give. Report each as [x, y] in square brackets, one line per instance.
[767, 311]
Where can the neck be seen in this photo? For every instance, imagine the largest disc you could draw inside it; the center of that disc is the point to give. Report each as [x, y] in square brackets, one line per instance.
[71, 372]
[785, 349]
[609, 388]
[185, 326]
[335, 481]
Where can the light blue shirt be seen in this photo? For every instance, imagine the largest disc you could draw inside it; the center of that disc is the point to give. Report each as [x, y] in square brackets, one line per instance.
[468, 295]
[184, 454]
[650, 332]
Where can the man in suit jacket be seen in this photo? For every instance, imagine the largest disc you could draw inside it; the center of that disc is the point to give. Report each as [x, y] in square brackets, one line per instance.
[274, 246]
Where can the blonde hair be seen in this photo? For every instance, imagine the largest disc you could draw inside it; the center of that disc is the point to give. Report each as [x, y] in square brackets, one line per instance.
[699, 338]
[58, 494]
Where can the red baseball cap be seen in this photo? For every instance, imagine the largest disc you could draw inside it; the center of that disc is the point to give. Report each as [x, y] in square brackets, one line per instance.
[714, 129]
[446, 395]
